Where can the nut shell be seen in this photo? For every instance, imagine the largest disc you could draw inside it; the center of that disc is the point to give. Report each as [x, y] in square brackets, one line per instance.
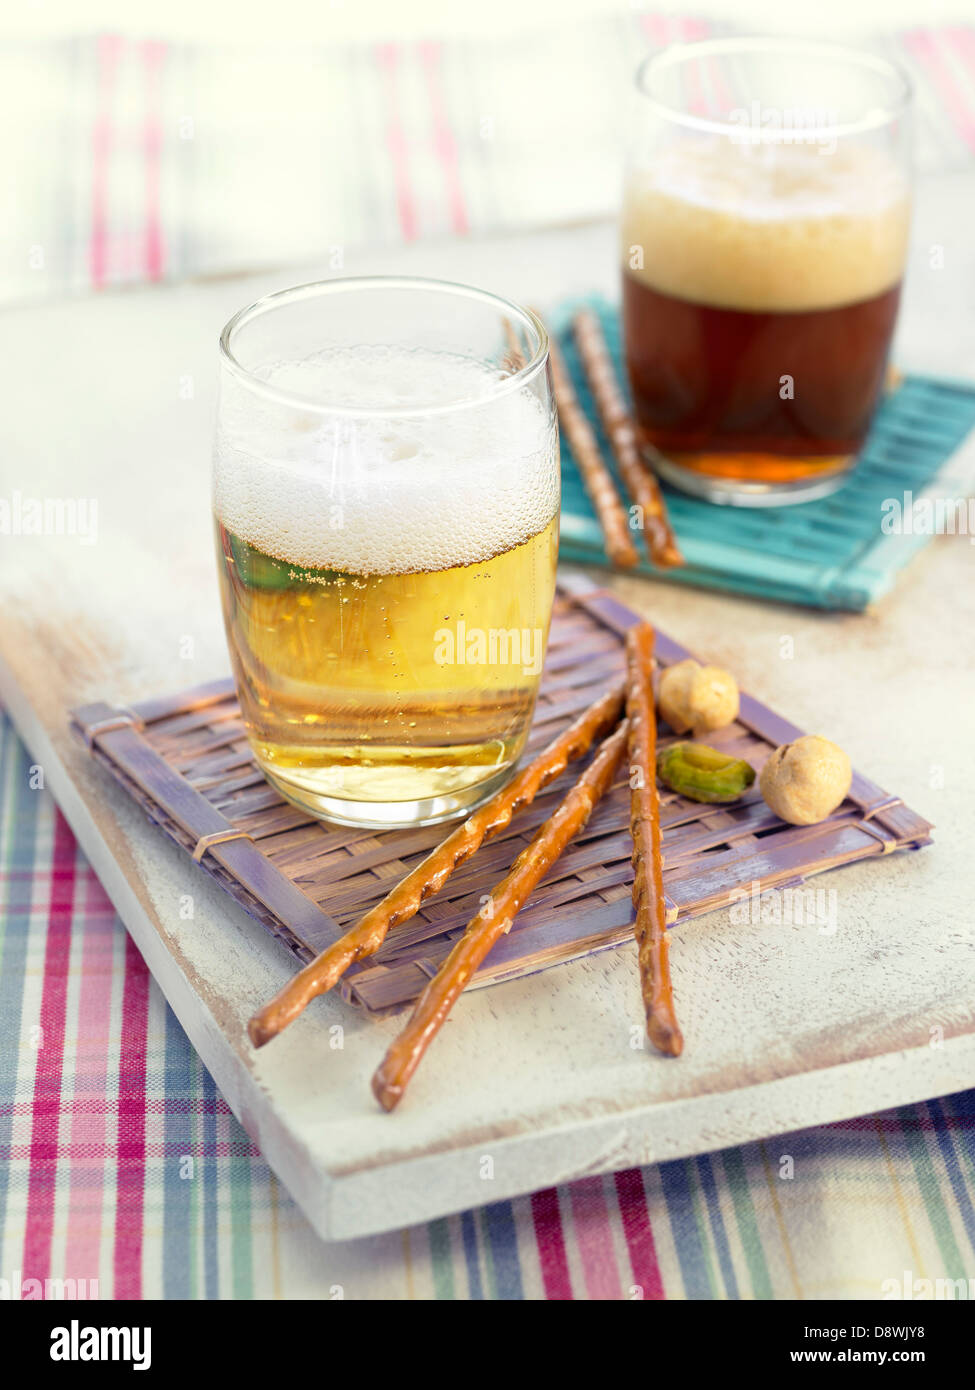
[692, 696]
[804, 781]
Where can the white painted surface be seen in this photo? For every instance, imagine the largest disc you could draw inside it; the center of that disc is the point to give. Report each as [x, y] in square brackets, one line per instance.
[785, 1027]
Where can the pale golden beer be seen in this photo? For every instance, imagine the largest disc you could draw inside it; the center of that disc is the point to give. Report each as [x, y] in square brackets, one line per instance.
[387, 573]
[388, 688]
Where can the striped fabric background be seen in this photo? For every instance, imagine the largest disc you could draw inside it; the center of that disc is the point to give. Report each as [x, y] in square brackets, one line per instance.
[119, 1161]
[128, 160]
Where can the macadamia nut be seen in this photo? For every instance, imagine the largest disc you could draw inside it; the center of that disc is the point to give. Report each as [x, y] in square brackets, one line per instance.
[804, 781]
[692, 696]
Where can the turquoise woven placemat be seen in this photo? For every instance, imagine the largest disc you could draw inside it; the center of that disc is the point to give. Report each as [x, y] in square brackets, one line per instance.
[826, 554]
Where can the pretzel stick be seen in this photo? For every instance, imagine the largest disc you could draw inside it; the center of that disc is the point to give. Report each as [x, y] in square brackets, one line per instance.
[494, 919]
[516, 358]
[648, 886]
[369, 933]
[596, 477]
[639, 480]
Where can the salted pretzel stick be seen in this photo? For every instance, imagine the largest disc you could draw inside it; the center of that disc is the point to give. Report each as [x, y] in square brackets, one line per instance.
[596, 477]
[639, 480]
[516, 358]
[648, 886]
[494, 919]
[369, 933]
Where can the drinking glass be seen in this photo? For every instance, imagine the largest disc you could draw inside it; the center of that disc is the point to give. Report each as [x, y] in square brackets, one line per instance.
[764, 233]
[385, 498]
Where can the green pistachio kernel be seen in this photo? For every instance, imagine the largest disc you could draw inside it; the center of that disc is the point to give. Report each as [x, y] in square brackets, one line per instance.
[703, 774]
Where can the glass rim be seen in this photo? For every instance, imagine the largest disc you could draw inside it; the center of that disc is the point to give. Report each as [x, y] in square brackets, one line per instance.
[295, 294]
[679, 53]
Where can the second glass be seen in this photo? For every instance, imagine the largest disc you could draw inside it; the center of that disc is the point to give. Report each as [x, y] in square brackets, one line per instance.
[386, 491]
[764, 233]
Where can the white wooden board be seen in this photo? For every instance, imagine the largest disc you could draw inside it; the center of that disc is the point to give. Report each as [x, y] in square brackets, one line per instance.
[113, 398]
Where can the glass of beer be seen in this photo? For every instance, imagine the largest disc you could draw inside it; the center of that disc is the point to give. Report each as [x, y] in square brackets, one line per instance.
[386, 500]
[764, 233]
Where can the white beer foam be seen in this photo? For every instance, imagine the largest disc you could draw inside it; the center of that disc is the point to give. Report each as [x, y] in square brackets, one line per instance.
[768, 227]
[385, 496]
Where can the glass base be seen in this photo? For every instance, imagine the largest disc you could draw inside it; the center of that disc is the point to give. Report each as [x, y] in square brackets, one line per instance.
[738, 492]
[390, 815]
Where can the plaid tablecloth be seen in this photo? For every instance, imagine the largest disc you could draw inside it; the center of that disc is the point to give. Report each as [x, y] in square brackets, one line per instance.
[129, 160]
[120, 1162]
[123, 1172]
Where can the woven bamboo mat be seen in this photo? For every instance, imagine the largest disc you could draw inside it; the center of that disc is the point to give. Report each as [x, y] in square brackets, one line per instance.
[186, 760]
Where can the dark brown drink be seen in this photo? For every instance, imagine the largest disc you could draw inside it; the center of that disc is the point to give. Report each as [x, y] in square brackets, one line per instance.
[760, 293]
[768, 397]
